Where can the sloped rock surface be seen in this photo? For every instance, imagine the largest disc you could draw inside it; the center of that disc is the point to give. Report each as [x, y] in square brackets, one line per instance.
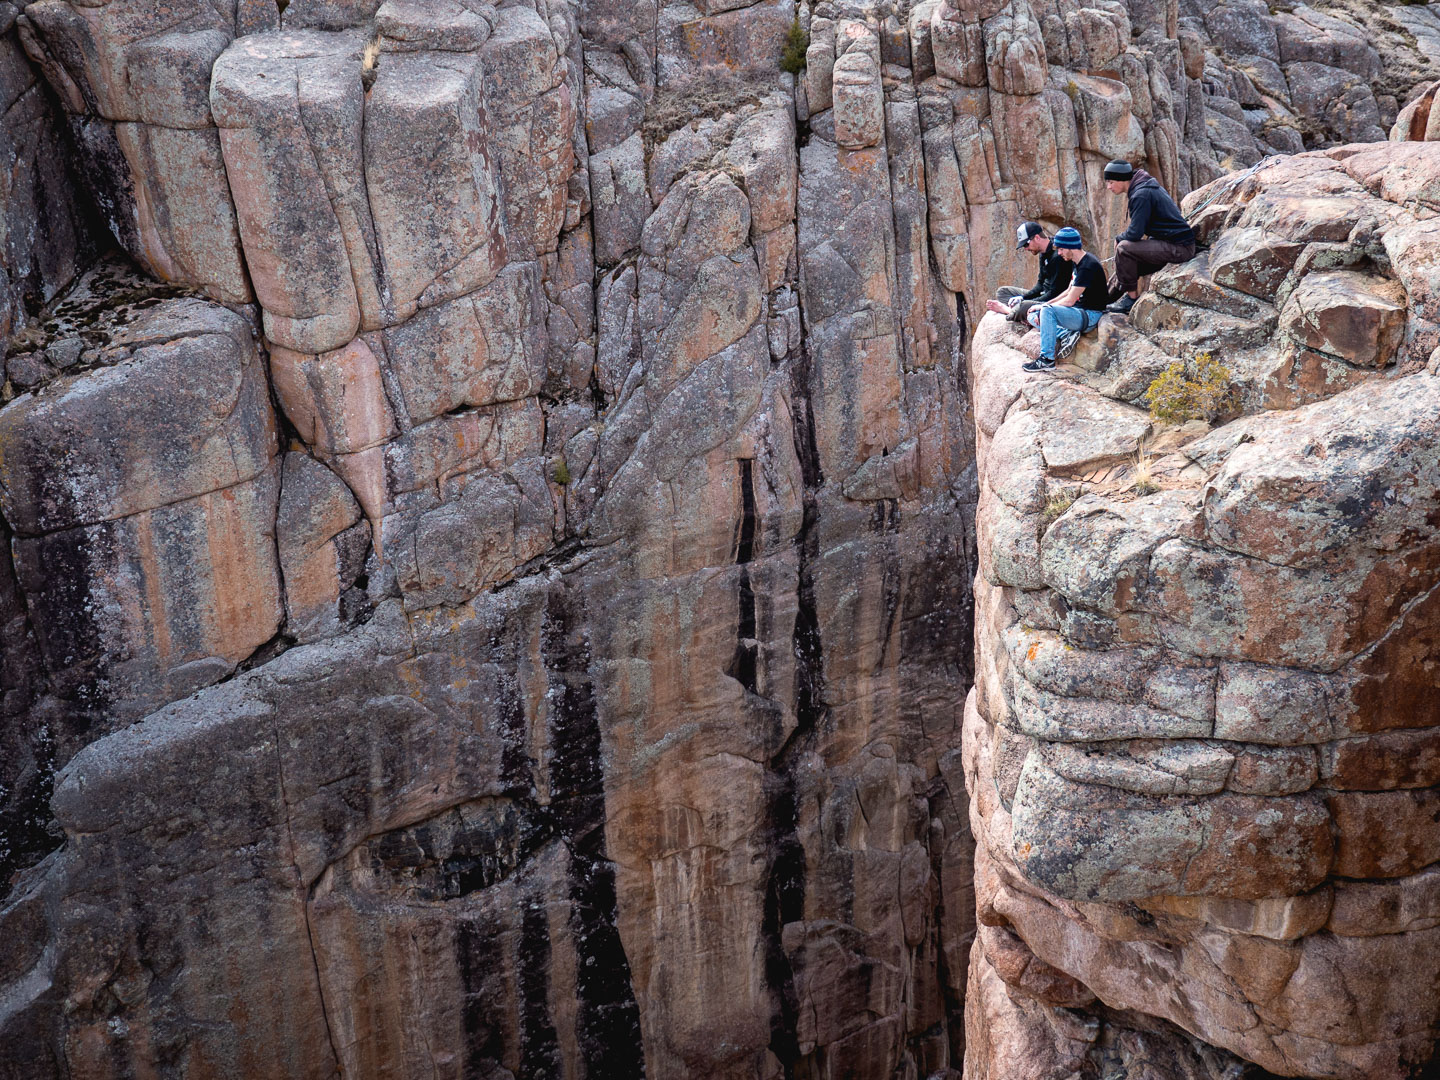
[1197, 725]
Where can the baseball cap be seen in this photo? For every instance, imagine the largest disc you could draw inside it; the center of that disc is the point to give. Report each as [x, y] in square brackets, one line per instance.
[1027, 232]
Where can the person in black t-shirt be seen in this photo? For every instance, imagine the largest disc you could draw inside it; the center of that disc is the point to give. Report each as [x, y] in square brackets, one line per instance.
[1052, 279]
[1074, 311]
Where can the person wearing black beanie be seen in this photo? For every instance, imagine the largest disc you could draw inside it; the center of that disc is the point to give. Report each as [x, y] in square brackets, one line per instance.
[1158, 233]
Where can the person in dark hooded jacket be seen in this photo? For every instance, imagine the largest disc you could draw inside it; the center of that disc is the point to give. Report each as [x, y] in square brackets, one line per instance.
[1158, 233]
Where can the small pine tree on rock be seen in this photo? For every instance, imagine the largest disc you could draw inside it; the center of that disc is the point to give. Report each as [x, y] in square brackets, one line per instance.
[796, 43]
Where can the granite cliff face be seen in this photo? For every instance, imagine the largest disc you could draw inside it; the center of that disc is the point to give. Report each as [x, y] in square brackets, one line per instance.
[492, 535]
[1201, 747]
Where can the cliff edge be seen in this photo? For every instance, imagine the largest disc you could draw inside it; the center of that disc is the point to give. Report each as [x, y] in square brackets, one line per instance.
[1202, 750]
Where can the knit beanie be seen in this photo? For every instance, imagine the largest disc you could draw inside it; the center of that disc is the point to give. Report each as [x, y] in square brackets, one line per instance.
[1067, 238]
[1119, 170]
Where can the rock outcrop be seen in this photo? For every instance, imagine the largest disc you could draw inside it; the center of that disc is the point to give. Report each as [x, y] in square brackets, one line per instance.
[492, 548]
[1199, 749]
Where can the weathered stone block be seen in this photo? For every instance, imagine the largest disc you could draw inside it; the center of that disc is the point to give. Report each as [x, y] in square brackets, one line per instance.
[294, 243]
[336, 400]
[322, 543]
[431, 175]
[413, 26]
[1251, 261]
[859, 100]
[620, 199]
[1356, 316]
[1371, 908]
[486, 347]
[184, 414]
[136, 611]
[1385, 834]
[1088, 842]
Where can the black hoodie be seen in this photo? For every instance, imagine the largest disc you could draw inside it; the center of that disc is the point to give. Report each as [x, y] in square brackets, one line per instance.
[1054, 276]
[1153, 213]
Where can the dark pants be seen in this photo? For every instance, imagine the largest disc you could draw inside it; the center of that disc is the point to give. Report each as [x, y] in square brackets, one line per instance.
[1136, 258]
[1019, 311]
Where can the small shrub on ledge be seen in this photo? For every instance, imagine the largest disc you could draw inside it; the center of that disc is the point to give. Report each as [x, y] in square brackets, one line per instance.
[1198, 389]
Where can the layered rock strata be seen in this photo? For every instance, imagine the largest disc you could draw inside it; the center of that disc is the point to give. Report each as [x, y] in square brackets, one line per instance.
[1199, 750]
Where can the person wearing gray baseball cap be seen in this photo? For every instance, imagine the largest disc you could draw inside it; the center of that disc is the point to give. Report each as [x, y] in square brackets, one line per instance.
[1158, 233]
[1052, 280]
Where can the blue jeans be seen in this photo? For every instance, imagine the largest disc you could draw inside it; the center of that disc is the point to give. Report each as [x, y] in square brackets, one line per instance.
[1054, 319]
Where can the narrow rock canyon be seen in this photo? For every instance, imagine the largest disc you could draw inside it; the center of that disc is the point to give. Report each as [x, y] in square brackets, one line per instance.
[525, 556]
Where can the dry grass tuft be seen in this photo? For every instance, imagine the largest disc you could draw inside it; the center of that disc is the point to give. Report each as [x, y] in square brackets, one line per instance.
[1141, 475]
[704, 99]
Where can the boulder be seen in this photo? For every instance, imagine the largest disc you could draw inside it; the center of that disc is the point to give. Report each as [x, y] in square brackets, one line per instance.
[1356, 316]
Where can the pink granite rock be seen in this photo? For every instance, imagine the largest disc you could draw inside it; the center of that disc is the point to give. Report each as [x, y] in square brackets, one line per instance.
[1179, 713]
[569, 680]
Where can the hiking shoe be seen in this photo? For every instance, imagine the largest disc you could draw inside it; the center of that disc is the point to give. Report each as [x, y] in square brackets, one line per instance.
[1122, 306]
[1043, 363]
[1066, 345]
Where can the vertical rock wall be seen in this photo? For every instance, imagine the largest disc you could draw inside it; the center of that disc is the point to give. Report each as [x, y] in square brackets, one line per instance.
[569, 545]
[498, 578]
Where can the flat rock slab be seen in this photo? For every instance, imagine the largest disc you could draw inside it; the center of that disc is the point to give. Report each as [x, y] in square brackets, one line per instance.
[1081, 429]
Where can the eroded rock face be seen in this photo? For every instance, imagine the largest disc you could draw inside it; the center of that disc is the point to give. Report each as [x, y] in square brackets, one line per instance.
[500, 605]
[1197, 745]
[506, 653]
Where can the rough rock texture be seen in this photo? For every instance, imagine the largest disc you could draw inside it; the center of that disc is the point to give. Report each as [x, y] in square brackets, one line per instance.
[1198, 750]
[491, 595]
[500, 649]
[46, 236]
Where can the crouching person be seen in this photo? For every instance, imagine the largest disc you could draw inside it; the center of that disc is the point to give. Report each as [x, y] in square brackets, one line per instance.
[1076, 310]
[1052, 279]
[1158, 233]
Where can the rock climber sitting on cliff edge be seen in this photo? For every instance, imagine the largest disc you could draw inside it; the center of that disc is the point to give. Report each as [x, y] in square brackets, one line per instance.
[1158, 232]
[1077, 309]
[1052, 280]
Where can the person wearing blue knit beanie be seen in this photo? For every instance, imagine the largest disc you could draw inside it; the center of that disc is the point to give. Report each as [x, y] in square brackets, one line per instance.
[1078, 309]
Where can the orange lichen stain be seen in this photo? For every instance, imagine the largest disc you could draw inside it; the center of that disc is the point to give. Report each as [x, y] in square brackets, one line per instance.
[153, 585]
[1033, 651]
[1024, 848]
